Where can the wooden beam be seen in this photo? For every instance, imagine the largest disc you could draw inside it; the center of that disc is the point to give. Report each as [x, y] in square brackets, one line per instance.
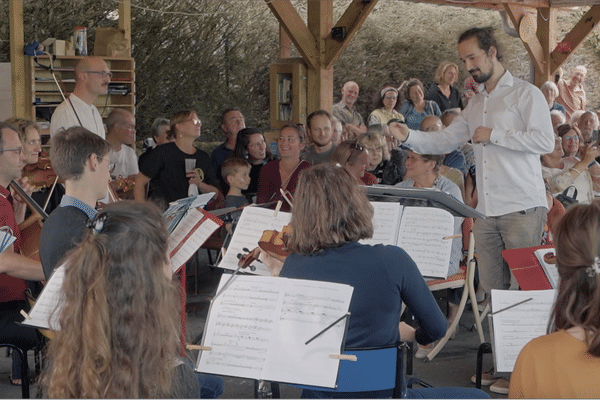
[296, 29]
[547, 28]
[352, 19]
[576, 36]
[21, 108]
[533, 46]
[285, 44]
[320, 80]
[125, 18]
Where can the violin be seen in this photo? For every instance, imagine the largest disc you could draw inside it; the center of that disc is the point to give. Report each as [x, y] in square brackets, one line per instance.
[40, 175]
[31, 228]
[123, 187]
[273, 242]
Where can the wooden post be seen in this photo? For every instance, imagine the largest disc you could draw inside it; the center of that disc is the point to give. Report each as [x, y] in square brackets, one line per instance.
[21, 106]
[319, 91]
[546, 33]
[285, 44]
[125, 18]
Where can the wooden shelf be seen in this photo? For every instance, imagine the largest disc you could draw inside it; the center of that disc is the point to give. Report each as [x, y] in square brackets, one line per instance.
[45, 96]
[288, 92]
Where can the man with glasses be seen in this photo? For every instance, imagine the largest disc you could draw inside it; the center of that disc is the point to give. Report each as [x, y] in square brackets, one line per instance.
[81, 160]
[508, 122]
[92, 77]
[120, 134]
[14, 268]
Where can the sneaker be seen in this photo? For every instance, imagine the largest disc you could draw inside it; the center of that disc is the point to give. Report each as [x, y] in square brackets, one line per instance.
[500, 386]
[487, 378]
[423, 351]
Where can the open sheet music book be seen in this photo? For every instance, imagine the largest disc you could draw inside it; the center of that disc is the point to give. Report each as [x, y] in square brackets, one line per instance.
[516, 326]
[189, 227]
[550, 269]
[250, 227]
[192, 230]
[420, 231]
[257, 329]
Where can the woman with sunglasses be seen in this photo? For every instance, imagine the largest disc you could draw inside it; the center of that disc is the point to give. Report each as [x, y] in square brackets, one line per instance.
[354, 158]
[165, 168]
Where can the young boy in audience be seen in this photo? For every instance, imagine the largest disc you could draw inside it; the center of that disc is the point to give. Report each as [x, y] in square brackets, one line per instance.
[236, 172]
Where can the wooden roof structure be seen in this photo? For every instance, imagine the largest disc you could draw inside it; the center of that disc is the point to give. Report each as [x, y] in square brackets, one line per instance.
[535, 20]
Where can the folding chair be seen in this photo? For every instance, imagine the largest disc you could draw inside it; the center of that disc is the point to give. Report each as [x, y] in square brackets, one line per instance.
[375, 368]
[24, 368]
[465, 279]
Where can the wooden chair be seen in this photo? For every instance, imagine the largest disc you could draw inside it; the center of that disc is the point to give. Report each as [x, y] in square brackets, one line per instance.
[465, 279]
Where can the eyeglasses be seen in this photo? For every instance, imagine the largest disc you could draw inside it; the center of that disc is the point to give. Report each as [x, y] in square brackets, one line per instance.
[111, 166]
[570, 137]
[103, 74]
[358, 146]
[391, 97]
[16, 150]
[257, 144]
[195, 121]
[34, 142]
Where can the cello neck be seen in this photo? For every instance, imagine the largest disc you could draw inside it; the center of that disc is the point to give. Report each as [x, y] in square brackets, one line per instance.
[28, 200]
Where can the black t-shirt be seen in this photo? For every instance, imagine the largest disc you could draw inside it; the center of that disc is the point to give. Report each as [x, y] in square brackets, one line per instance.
[165, 166]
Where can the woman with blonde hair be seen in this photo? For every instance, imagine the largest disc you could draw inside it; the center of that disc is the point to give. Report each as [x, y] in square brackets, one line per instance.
[331, 214]
[444, 93]
[565, 363]
[120, 333]
[165, 167]
[379, 160]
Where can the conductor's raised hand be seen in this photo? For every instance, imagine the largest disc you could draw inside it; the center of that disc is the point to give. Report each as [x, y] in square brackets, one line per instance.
[481, 135]
[399, 131]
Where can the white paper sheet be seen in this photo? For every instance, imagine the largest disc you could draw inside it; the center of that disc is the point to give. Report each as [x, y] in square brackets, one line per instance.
[43, 314]
[250, 227]
[257, 329]
[386, 220]
[515, 327]
[422, 232]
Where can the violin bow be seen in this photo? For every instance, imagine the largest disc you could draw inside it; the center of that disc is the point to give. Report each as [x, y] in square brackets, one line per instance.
[28, 200]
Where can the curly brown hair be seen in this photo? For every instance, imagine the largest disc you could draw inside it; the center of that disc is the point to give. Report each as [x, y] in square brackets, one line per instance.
[120, 332]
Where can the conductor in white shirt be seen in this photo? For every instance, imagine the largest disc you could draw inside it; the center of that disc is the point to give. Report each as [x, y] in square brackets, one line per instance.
[92, 77]
[509, 124]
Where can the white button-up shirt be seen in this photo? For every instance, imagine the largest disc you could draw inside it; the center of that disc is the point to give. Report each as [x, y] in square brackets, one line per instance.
[508, 167]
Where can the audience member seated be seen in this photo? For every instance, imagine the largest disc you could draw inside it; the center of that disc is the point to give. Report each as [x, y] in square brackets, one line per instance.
[558, 118]
[588, 125]
[354, 158]
[415, 108]
[571, 93]
[120, 133]
[445, 95]
[456, 158]
[318, 127]
[352, 122]
[252, 147]
[327, 249]
[120, 333]
[159, 133]
[565, 363]
[550, 91]
[166, 169]
[562, 172]
[282, 175]
[422, 170]
[236, 172]
[337, 132]
[380, 165]
[232, 121]
[385, 107]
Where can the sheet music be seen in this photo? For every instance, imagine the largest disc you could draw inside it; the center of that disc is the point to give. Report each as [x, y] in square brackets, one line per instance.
[258, 326]
[6, 238]
[386, 218]
[177, 209]
[422, 230]
[186, 239]
[551, 270]
[515, 327]
[43, 314]
[253, 222]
